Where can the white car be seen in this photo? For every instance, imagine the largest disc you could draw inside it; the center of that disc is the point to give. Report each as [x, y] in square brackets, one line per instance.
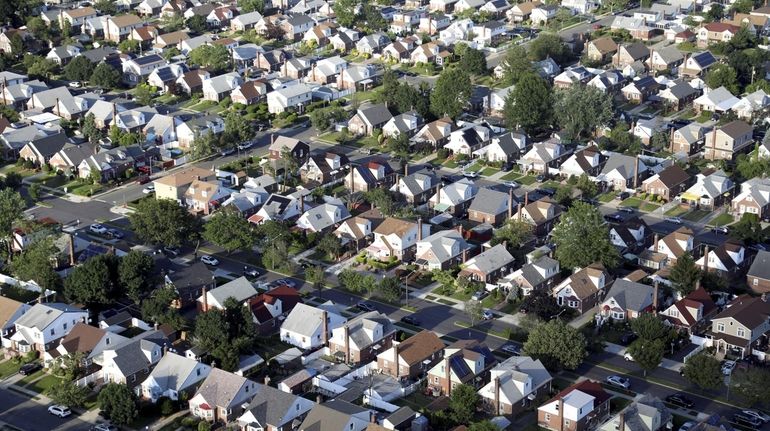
[470, 174]
[618, 381]
[245, 146]
[75, 84]
[757, 414]
[61, 411]
[627, 356]
[727, 367]
[487, 315]
[511, 184]
[686, 426]
[209, 260]
[675, 220]
[98, 229]
[149, 189]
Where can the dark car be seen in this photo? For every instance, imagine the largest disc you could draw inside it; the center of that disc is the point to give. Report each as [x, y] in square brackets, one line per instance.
[627, 338]
[680, 400]
[286, 282]
[745, 420]
[143, 179]
[251, 272]
[114, 233]
[507, 167]
[540, 178]
[613, 218]
[547, 191]
[410, 320]
[30, 368]
[628, 210]
[623, 196]
[365, 306]
[447, 179]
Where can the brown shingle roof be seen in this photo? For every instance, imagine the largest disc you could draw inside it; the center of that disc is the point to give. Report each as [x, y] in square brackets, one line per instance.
[748, 311]
[605, 45]
[126, 20]
[420, 346]
[81, 12]
[393, 225]
[184, 177]
[673, 176]
[8, 308]
[736, 128]
[83, 338]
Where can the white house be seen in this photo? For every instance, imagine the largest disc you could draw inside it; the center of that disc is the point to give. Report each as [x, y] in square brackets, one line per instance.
[304, 326]
[219, 87]
[291, 97]
[172, 375]
[41, 327]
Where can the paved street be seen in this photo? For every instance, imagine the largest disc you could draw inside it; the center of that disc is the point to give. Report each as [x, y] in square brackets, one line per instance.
[23, 413]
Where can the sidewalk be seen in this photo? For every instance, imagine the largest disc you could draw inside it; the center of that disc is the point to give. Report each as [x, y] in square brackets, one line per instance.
[584, 318]
[666, 363]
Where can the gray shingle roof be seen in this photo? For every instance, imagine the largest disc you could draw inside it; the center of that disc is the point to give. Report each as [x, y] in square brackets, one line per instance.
[172, 371]
[489, 201]
[241, 289]
[491, 260]
[220, 387]
[630, 295]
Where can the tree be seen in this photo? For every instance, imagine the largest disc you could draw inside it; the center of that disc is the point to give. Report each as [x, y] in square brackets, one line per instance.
[143, 93]
[237, 128]
[230, 231]
[197, 23]
[215, 57]
[473, 61]
[163, 221]
[34, 191]
[330, 245]
[684, 274]
[203, 146]
[89, 129]
[315, 275]
[723, 75]
[753, 384]
[106, 7]
[135, 272]
[648, 326]
[704, 371]
[586, 186]
[225, 333]
[556, 344]
[451, 93]
[252, 5]
[39, 28]
[345, 12]
[381, 199]
[549, 45]
[475, 310]
[69, 394]
[105, 76]
[483, 426]
[94, 282]
[748, 229]
[389, 288]
[541, 304]
[34, 263]
[117, 403]
[716, 12]
[515, 232]
[11, 209]
[647, 353]
[581, 109]
[759, 84]
[582, 238]
[157, 308]
[39, 67]
[516, 64]
[529, 105]
[129, 46]
[78, 69]
[462, 403]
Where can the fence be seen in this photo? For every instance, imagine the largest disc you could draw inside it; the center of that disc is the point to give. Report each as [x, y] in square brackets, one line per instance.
[91, 378]
[26, 285]
[321, 383]
[380, 404]
[701, 342]
[312, 356]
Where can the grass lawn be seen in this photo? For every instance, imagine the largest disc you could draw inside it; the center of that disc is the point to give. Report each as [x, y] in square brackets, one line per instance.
[7, 169]
[511, 176]
[490, 302]
[722, 220]
[450, 164]
[677, 211]
[489, 171]
[474, 167]
[617, 404]
[26, 380]
[8, 368]
[551, 184]
[367, 95]
[703, 117]
[606, 197]
[83, 189]
[416, 401]
[527, 180]
[42, 385]
[648, 207]
[632, 202]
[696, 215]
[203, 105]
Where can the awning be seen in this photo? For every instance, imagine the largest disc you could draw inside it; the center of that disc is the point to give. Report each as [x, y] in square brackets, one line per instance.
[441, 207]
[690, 196]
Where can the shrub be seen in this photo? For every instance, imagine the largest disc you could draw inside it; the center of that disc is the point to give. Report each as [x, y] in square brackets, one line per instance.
[643, 196]
[442, 153]
[204, 426]
[189, 422]
[167, 407]
[653, 197]
[30, 356]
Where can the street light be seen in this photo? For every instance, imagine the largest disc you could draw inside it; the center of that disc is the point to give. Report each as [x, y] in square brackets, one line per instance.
[406, 287]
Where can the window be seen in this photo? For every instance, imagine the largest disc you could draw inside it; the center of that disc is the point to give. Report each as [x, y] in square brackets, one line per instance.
[52, 331]
[547, 417]
[720, 327]
[64, 326]
[741, 333]
[566, 423]
[755, 281]
[435, 379]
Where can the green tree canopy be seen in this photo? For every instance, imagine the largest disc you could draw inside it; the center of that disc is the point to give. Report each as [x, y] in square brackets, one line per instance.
[129, 46]
[647, 353]
[252, 5]
[557, 345]
[69, 394]
[723, 75]
[157, 308]
[514, 233]
[94, 283]
[225, 333]
[516, 64]
[462, 403]
[451, 93]
[35, 263]
[117, 403]
[11, 209]
[197, 23]
[163, 221]
[684, 274]
[580, 109]
[582, 238]
[748, 229]
[530, 105]
[135, 274]
[229, 230]
[704, 371]
[105, 76]
[473, 61]
[648, 326]
[214, 57]
[549, 45]
[78, 69]
[753, 384]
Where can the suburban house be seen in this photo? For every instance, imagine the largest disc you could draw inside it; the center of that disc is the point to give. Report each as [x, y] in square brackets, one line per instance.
[668, 183]
[272, 306]
[601, 49]
[688, 139]
[441, 250]
[716, 100]
[323, 217]
[726, 142]
[640, 89]
[629, 235]
[587, 161]
[505, 148]
[277, 208]
[412, 357]
[175, 186]
[491, 206]
[284, 145]
[580, 407]
[726, 259]
[173, 374]
[323, 168]
[397, 239]
[691, 312]
[308, 327]
[678, 96]
[714, 32]
[355, 232]
[740, 325]
[10, 311]
[758, 276]
[711, 190]
[754, 198]
[372, 174]
[648, 413]
[239, 289]
[204, 196]
[418, 187]
[665, 251]
[337, 415]
[274, 409]
[542, 156]
[189, 282]
[454, 198]
[84, 339]
[465, 362]
[145, 350]
[697, 64]
[623, 172]
[513, 384]
[222, 396]
[584, 289]
[369, 118]
[488, 266]
[628, 54]
[43, 325]
[292, 97]
[435, 133]
[539, 274]
[627, 300]
[119, 27]
[521, 12]
[542, 214]
[361, 338]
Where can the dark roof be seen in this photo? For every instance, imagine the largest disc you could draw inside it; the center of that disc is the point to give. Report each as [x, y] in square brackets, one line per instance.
[736, 128]
[750, 312]
[682, 90]
[190, 279]
[760, 268]
[50, 145]
[646, 83]
[637, 51]
[375, 114]
[673, 176]
[147, 59]
[704, 59]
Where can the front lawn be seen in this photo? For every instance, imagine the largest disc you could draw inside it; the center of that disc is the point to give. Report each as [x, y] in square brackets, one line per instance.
[450, 164]
[722, 220]
[606, 197]
[47, 382]
[697, 215]
[703, 117]
[8, 368]
[648, 207]
[83, 189]
[677, 211]
[26, 380]
[632, 202]
[474, 167]
[511, 176]
[527, 180]
[489, 171]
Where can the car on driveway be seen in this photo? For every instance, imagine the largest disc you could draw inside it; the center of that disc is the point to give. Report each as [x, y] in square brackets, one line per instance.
[512, 349]
[627, 338]
[747, 421]
[30, 368]
[540, 178]
[245, 146]
[619, 381]
[365, 306]
[479, 295]
[251, 272]
[511, 184]
[409, 320]
[487, 315]
[149, 189]
[680, 400]
[622, 196]
[764, 417]
[727, 367]
[470, 174]
[675, 220]
[98, 229]
[628, 210]
[286, 282]
[720, 229]
[114, 233]
[61, 411]
[209, 260]
[227, 152]
[173, 251]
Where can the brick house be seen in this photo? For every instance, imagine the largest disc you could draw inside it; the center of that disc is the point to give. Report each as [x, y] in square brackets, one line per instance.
[542, 214]
[726, 142]
[688, 139]
[668, 183]
[513, 384]
[754, 198]
[580, 407]
[758, 276]
[414, 356]
[583, 289]
[361, 338]
[465, 362]
[489, 266]
[491, 206]
[601, 49]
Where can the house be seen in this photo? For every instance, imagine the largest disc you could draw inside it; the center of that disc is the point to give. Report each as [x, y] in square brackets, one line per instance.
[10, 311]
[752, 105]
[204, 196]
[69, 157]
[584, 289]
[166, 77]
[726, 142]
[579, 7]
[647, 413]
[336, 415]
[397, 239]
[710, 190]
[417, 187]
[521, 12]
[189, 282]
[629, 235]
[601, 49]
[688, 139]
[354, 233]
[62, 55]
[118, 28]
[582, 406]
[758, 276]
[412, 357]
[716, 100]
[369, 118]
[623, 172]
[636, 26]
[754, 198]
[12, 141]
[486, 34]
[361, 338]
[435, 133]
[198, 126]
[43, 325]
[513, 384]
[239, 289]
[277, 208]
[246, 202]
[323, 217]
[454, 198]
[309, 327]
[365, 177]
[640, 89]
[698, 64]
[274, 409]
[542, 14]
[714, 32]
[293, 147]
[41, 150]
[488, 266]
[406, 123]
[586, 161]
[665, 251]
[173, 375]
[170, 40]
[542, 214]
[372, 44]
[323, 168]
[627, 300]
[249, 93]
[667, 58]
[469, 138]
[76, 17]
[175, 186]
[271, 307]
[740, 325]
[668, 183]
[628, 54]
[491, 206]
[504, 148]
[219, 87]
[86, 340]
[538, 274]
[293, 97]
[726, 259]
[192, 81]
[441, 250]
[129, 363]
[691, 312]
[222, 396]
[542, 156]
[245, 21]
[466, 362]
[679, 95]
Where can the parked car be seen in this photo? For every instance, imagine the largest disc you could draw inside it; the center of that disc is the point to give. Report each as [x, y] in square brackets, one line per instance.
[764, 417]
[728, 367]
[97, 229]
[511, 184]
[227, 152]
[209, 260]
[622, 196]
[75, 84]
[447, 179]
[675, 220]
[619, 381]
[547, 191]
[540, 178]
[174, 251]
[30, 368]
[686, 426]
[512, 349]
[747, 421]
[628, 210]
[143, 179]
[720, 229]
[680, 400]
[61, 411]
[479, 295]
[114, 233]
[627, 338]
[251, 272]
[487, 315]
[365, 306]
[245, 145]
[627, 356]
[410, 320]
[104, 427]
[613, 218]
[286, 282]
[507, 167]
[471, 174]
[149, 189]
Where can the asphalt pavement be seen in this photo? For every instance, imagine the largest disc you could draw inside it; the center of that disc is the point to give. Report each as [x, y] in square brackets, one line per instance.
[21, 412]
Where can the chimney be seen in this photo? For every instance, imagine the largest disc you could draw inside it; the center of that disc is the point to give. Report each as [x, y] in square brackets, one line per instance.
[406, 169]
[58, 109]
[301, 205]
[561, 414]
[636, 171]
[655, 297]
[438, 194]
[395, 359]
[518, 210]
[173, 126]
[697, 284]
[671, 140]
[272, 138]
[5, 100]
[419, 229]
[71, 244]
[448, 376]
[622, 424]
[713, 142]
[346, 334]
[266, 380]
[465, 254]
[372, 417]
[114, 111]
[706, 259]
[510, 202]
[497, 395]
[655, 240]
[205, 295]
[526, 198]
[325, 327]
